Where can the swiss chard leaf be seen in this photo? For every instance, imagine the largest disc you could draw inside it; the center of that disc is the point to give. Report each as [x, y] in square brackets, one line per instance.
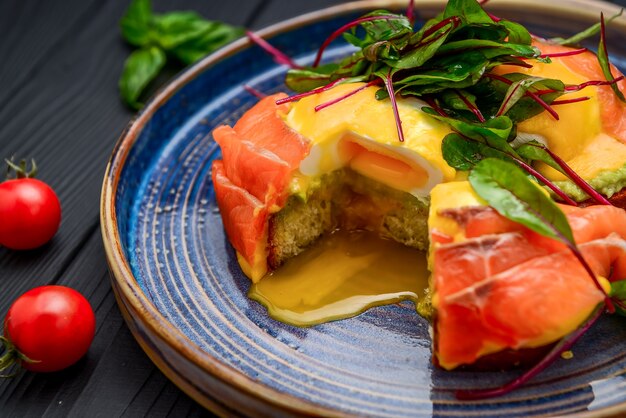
[136, 22]
[510, 192]
[463, 154]
[517, 34]
[141, 67]
[534, 151]
[470, 12]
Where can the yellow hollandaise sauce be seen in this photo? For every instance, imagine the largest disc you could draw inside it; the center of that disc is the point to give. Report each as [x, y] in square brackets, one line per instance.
[341, 276]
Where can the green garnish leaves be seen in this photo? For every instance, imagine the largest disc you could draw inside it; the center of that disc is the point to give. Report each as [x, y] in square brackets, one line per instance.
[464, 155]
[135, 24]
[509, 191]
[140, 68]
[603, 59]
[185, 36]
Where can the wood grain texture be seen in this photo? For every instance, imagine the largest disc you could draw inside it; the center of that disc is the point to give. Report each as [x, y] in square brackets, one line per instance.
[58, 103]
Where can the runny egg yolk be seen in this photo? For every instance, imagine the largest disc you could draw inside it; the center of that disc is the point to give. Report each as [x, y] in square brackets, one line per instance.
[360, 132]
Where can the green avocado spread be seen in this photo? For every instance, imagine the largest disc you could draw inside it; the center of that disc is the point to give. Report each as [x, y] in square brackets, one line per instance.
[606, 182]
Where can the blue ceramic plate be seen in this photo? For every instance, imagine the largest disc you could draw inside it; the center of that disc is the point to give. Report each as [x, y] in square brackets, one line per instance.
[184, 296]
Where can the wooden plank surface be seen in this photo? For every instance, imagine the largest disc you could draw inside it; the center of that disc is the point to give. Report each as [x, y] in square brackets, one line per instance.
[58, 102]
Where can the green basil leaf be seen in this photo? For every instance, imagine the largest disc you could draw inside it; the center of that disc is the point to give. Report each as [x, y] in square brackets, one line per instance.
[175, 28]
[306, 79]
[141, 67]
[196, 48]
[507, 189]
[587, 33]
[135, 24]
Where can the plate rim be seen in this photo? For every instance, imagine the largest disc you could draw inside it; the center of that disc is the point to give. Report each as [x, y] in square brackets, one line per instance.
[126, 286]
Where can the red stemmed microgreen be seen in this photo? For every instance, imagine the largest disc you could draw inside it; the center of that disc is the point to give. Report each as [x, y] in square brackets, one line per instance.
[454, 21]
[569, 101]
[256, 93]
[344, 28]
[410, 12]
[299, 96]
[564, 54]
[394, 105]
[470, 106]
[345, 96]
[531, 94]
[573, 176]
[278, 55]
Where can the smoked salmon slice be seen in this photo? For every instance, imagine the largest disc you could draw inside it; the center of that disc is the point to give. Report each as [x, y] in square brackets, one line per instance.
[506, 287]
[245, 217]
[260, 154]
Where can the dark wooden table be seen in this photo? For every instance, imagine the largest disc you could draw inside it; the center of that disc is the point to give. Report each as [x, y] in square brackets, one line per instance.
[59, 66]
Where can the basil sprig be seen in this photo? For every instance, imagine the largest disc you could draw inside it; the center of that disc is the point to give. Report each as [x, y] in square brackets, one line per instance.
[184, 36]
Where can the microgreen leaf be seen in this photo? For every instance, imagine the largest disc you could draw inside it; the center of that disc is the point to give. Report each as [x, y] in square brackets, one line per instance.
[135, 24]
[587, 33]
[518, 34]
[469, 11]
[603, 59]
[507, 189]
[463, 155]
[141, 67]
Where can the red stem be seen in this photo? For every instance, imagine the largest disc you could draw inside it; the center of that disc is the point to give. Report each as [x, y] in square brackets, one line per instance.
[564, 54]
[278, 56]
[254, 92]
[530, 170]
[345, 96]
[344, 28]
[474, 109]
[455, 20]
[432, 103]
[568, 101]
[394, 105]
[410, 11]
[579, 181]
[310, 93]
[534, 96]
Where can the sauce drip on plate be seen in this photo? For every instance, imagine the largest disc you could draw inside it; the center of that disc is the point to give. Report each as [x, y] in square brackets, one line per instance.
[344, 274]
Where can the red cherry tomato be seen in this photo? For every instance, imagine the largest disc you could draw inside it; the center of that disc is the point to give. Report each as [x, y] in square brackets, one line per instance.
[30, 213]
[51, 325]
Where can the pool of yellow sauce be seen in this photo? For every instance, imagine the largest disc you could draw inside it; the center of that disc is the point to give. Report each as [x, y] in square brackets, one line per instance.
[344, 274]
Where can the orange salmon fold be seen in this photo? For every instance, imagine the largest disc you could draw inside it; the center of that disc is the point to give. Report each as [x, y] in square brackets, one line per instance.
[259, 156]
